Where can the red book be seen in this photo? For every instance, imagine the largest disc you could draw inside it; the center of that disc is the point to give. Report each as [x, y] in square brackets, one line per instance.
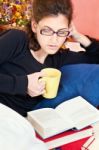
[74, 145]
[67, 137]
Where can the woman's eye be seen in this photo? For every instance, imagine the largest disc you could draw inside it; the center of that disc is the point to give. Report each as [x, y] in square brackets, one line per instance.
[47, 30]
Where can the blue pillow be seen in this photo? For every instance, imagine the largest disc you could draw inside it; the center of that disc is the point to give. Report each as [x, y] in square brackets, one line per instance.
[81, 79]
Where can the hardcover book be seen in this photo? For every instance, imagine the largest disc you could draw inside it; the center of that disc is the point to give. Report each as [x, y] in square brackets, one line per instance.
[67, 138]
[76, 145]
[74, 114]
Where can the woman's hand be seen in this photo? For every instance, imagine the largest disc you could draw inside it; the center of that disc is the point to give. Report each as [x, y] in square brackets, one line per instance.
[73, 31]
[36, 87]
[77, 36]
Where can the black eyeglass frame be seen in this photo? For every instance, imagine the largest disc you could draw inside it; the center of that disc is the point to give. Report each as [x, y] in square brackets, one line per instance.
[55, 32]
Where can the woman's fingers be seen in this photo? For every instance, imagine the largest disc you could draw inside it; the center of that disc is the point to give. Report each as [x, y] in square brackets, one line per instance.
[36, 86]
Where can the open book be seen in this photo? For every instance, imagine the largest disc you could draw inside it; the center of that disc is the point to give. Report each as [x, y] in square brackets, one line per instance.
[76, 113]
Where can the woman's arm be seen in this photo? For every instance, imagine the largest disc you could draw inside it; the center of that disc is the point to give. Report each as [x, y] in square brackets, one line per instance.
[89, 44]
[12, 84]
[11, 45]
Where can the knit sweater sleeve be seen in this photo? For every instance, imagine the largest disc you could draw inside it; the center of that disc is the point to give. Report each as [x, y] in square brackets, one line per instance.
[12, 43]
[12, 84]
[93, 48]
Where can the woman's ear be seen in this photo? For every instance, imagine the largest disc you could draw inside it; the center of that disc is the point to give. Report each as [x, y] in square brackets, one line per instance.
[33, 26]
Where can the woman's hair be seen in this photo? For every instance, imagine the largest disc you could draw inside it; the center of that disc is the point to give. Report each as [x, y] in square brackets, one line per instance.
[45, 8]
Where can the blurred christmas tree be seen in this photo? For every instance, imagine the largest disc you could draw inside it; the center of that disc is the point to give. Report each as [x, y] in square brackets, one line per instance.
[15, 12]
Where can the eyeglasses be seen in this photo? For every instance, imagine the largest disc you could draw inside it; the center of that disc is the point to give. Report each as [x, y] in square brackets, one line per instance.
[49, 32]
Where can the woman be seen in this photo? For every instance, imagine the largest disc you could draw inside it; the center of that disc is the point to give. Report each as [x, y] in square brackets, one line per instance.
[22, 58]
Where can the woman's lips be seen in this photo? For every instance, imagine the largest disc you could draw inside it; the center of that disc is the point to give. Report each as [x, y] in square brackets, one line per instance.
[52, 46]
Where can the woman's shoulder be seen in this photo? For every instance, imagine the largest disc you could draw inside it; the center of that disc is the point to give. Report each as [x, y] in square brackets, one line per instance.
[13, 34]
[15, 39]
[16, 32]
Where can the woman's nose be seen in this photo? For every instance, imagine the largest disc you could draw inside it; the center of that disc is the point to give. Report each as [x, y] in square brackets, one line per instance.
[54, 38]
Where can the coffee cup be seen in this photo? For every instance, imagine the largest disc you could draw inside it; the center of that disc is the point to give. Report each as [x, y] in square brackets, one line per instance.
[52, 79]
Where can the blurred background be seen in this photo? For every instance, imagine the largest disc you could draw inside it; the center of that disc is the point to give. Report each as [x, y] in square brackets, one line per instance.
[16, 13]
[86, 16]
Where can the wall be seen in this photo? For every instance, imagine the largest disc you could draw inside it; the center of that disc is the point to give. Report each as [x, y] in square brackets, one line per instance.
[86, 16]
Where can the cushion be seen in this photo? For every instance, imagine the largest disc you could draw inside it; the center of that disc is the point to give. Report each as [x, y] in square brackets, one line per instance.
[81, 79]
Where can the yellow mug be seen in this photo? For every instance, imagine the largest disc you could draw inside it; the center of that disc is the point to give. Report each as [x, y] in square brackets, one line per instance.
[52, 79]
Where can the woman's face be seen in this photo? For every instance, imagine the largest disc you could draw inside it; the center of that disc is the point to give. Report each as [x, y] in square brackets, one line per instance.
[51, 33]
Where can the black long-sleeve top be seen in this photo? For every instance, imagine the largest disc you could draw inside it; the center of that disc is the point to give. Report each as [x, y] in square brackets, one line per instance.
[16, 61]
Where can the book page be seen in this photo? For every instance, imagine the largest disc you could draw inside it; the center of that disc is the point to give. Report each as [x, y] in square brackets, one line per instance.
[47, 122]
[79, 111]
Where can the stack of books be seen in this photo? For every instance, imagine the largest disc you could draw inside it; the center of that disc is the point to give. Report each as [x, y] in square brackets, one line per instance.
[69, 124]
[68, 139]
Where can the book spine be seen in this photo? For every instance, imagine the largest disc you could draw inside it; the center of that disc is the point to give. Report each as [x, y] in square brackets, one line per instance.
[77, 145]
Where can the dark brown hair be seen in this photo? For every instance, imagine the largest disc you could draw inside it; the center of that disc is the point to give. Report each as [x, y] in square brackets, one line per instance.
[44, 8]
